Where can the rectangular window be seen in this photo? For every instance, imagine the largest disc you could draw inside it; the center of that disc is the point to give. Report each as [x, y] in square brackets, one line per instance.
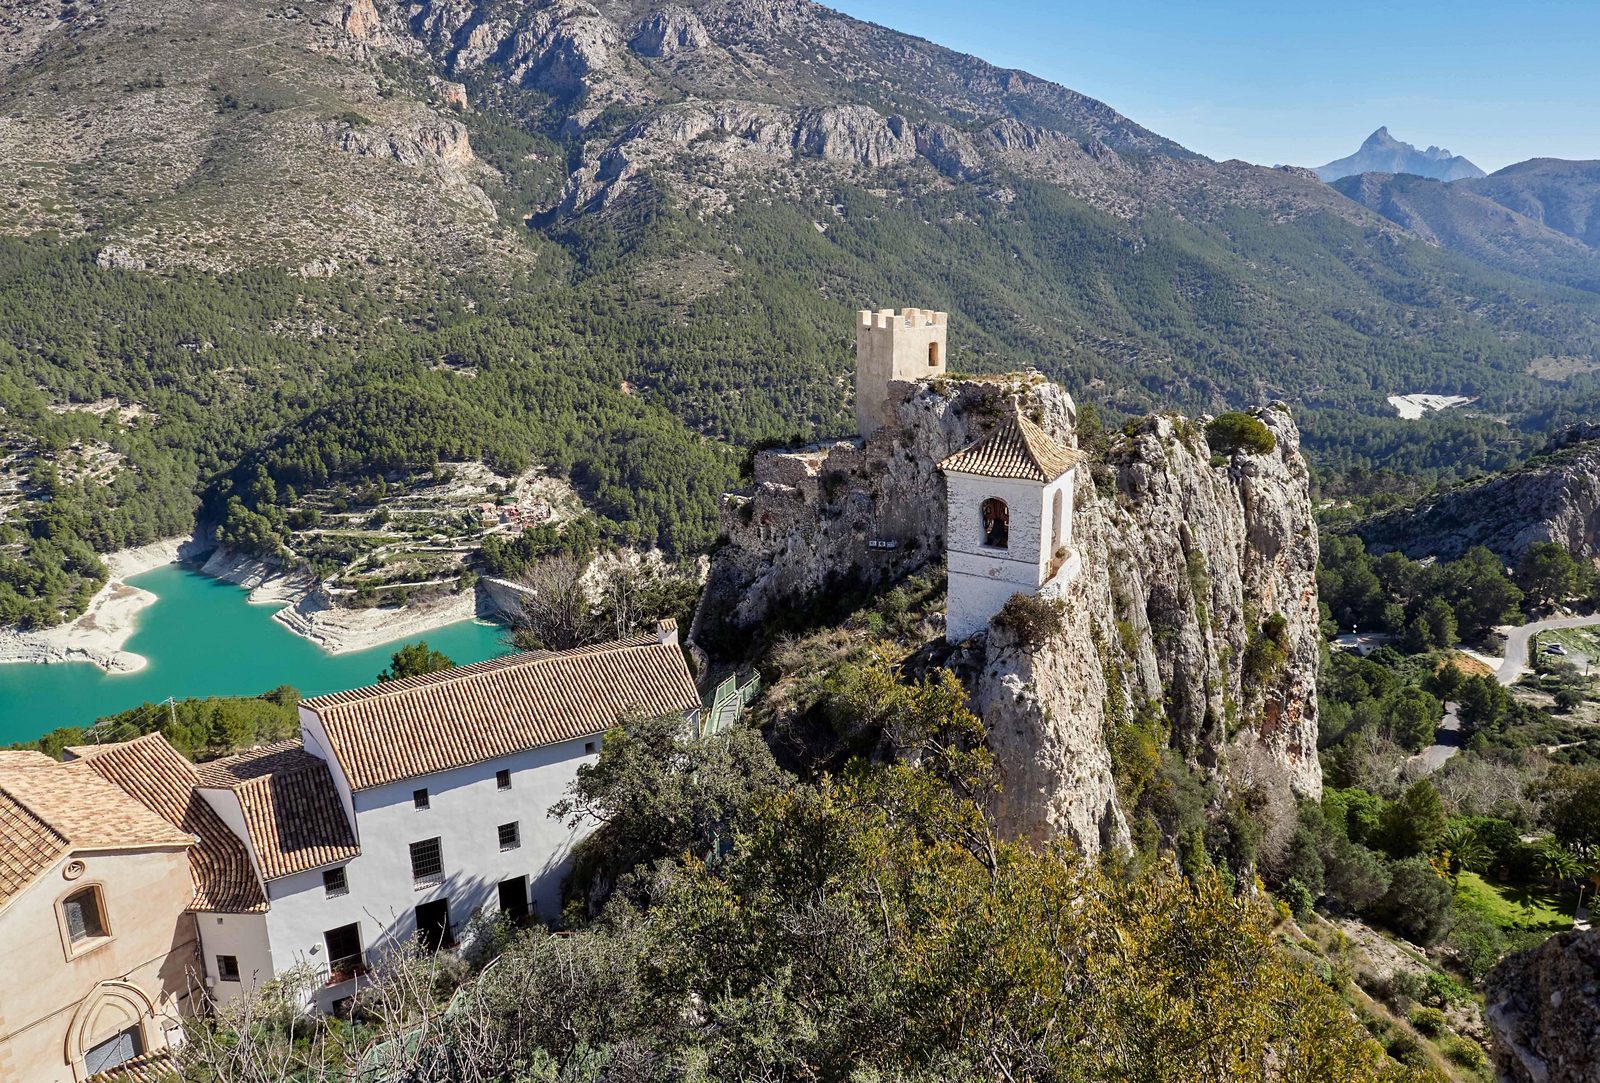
[427, 863]
[510, 836]
[84, 919]
[228, 967]
[502, 780]
[344, 952]
[419, 798]
[334, 883]
[588, 748]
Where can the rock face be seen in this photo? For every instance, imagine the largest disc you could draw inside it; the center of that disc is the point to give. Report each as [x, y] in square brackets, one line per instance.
[670, 31]
[1185, 566]
[1544, 1011]
[1553, 498]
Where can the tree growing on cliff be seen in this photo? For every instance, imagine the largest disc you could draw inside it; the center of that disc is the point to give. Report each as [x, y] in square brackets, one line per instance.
[1238, 431]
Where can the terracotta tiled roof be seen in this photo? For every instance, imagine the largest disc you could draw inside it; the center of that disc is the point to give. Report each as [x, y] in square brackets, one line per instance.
[419, 725]
[50, 809]
[28, 846]
[159, 1067]
[22, 758]
[158, 777]
[291, 808]
[1017, 448]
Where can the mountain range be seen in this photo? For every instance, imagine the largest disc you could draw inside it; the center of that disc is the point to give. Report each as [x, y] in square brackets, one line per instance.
[1383, 153]
[307, 242]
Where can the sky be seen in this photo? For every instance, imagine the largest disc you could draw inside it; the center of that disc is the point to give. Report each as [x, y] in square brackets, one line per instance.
[1302, 83]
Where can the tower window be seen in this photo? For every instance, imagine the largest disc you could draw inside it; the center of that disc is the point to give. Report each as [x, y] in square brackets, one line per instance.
[996, 523]
[933, 355]
[1057, 515]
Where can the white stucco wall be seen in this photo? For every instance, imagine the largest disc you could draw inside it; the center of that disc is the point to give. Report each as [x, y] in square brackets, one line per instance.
[982, 578]
[465, 810]
[245, 937]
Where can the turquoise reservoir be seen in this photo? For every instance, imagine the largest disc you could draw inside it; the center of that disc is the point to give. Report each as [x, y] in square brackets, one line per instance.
[202, 638]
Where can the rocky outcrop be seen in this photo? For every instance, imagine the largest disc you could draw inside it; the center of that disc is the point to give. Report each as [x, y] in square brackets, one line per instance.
[360, 20]
[436, 140]
[1197, 597]
[669, 31]
[1553, 498]
[1544, 1011]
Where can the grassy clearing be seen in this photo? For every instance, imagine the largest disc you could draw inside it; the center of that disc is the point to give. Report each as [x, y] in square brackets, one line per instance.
[1532, 907]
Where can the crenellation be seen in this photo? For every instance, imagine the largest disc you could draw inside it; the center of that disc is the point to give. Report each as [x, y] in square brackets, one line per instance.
[894, 347]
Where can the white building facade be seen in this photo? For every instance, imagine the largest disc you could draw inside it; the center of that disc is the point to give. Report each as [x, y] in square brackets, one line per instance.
[403, 810]
[1008, 529]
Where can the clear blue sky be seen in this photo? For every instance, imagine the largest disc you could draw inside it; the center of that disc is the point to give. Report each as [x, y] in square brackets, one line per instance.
[1297, 82]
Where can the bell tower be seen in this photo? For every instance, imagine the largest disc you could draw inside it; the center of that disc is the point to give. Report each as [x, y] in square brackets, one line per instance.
[890, 345]
[1008, 527]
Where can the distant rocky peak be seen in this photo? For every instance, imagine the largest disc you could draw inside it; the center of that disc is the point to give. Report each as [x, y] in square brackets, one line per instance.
[1383, 153]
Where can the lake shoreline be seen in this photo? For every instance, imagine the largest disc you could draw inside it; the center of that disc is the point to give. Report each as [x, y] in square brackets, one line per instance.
[100, 634]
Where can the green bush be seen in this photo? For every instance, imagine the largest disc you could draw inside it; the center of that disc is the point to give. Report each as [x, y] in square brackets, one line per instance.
[1419, 902]
[1238, 431]
[1429, 1021]
[1299, 898]
[1031, 620]
[1467, 1054]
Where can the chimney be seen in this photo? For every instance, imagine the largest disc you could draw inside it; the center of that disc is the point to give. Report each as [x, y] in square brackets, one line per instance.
[667, 632]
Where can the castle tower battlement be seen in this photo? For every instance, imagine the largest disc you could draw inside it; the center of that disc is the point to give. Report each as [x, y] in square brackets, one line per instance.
[891, 346]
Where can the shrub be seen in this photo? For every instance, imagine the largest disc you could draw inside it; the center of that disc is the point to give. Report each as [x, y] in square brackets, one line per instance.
[1238, 431]
[1031, 620]
[1299, 898]
[1419, 901]
[1467, 1054]
[1429, 1021]
[1476, 943]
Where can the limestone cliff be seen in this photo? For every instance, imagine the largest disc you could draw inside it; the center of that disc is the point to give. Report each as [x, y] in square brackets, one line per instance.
[1186, 562]
[1544, 1011]
[1553, 498]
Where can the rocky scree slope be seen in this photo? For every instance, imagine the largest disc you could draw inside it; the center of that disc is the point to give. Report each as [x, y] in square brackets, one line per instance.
[1553, 498]
[1187, 565]
[226, 135]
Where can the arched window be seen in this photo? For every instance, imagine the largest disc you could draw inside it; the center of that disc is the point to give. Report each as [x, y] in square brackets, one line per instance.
[996, 523]
[1060, 521]
[933, 355]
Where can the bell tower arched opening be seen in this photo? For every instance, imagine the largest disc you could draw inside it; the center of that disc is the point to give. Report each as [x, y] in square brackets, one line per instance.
[996, 519]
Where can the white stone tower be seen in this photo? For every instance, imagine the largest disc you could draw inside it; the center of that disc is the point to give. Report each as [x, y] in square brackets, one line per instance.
[1008, 523]
[890, 345]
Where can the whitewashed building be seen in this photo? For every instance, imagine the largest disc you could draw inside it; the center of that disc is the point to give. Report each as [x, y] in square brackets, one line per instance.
[403, 808]
[1008, 501]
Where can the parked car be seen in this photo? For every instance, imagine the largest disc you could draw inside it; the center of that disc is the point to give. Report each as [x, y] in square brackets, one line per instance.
[1554, 648]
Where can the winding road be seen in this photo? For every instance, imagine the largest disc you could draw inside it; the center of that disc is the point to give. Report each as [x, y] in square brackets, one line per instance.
[1447, 740]
[1515, 663]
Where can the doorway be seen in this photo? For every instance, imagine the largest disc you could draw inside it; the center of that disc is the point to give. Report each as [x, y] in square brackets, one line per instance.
[433, 924]
[514, 898]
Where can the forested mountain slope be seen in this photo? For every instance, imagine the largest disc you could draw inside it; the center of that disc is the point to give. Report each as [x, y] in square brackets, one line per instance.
[296, 241]
[1462, 216]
